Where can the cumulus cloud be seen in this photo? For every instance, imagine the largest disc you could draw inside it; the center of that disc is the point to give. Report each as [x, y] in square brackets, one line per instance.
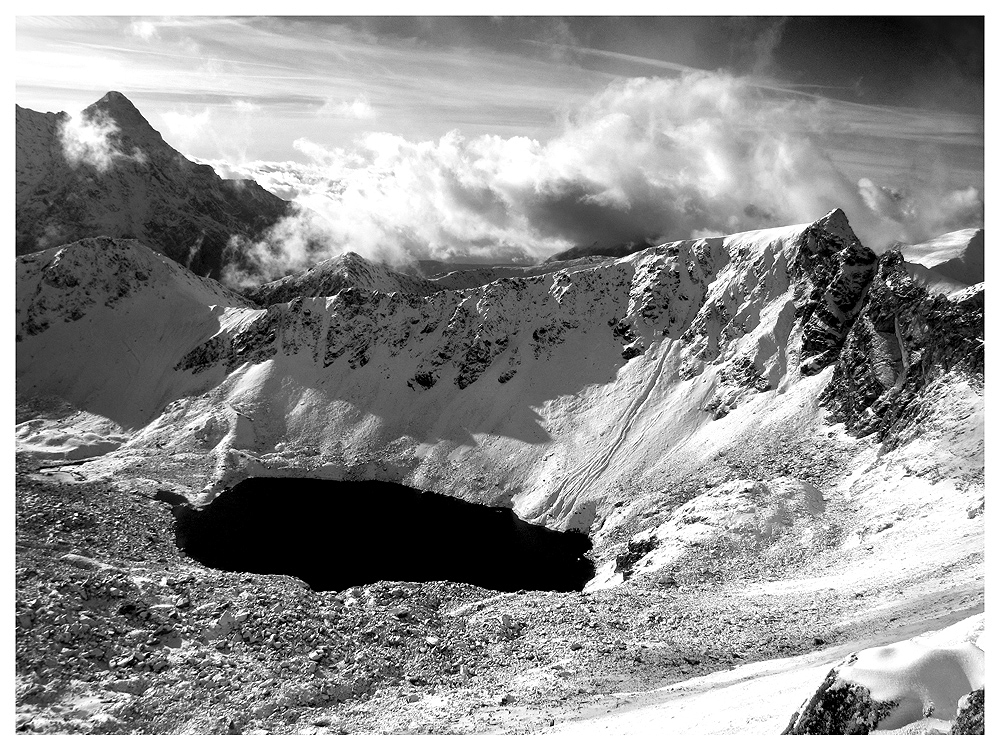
[923, 209]
[357, 109]
[245, 107]
[294, 244]
[286, 179]
[91, 140]
[145, 30]
[186, 126]
[647, 159]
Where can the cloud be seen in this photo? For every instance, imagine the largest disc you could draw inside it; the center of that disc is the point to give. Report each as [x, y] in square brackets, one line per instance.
[91, 141]
[286, 179]
[294, 244]
[186, 126]
[921, 210]
[651, 159]
[244, 107]
[358, 109]
[754, 41]
[145, 30]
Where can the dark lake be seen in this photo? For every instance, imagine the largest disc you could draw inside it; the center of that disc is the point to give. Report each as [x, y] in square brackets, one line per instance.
[334, 535]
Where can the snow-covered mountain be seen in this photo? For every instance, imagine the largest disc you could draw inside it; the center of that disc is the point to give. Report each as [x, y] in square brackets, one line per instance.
[595, 250]
[553, 394]
[108, 172]
[102, 322]
[712, 409]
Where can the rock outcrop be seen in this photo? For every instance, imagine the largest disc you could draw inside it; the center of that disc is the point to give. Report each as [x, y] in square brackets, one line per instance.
[971, 716]
[919, 684]
[839, 708]
[903, 340]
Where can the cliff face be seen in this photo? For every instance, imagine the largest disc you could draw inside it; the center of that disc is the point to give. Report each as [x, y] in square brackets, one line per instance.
[904, 339]
[108, 172]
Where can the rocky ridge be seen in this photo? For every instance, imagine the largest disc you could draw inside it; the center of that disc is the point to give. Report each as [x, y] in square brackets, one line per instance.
[665, 296]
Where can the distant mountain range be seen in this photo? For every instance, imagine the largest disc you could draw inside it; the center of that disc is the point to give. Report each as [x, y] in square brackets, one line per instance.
[610, 251]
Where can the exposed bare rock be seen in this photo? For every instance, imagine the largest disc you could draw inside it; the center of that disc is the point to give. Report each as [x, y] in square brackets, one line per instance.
[903, 340]
[839, 708]
[836, 269]
[933, 678]
[971, 716]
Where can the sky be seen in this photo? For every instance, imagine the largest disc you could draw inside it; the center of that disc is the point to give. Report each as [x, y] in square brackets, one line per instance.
[517, 137]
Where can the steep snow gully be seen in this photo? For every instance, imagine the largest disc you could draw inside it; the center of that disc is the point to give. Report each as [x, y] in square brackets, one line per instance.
[334, 535]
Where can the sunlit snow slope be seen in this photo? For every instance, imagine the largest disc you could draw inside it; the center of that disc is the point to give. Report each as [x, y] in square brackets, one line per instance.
[587, 398]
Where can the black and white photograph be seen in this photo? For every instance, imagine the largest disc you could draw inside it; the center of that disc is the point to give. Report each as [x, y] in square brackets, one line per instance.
[429, 374]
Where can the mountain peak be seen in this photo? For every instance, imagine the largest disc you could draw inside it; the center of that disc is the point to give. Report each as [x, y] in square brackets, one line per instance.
[836, 223]
[117, 107]
[115, 97]
[115, 103]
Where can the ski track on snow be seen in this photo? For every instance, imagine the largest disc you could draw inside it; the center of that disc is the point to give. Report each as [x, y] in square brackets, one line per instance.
[575, 484]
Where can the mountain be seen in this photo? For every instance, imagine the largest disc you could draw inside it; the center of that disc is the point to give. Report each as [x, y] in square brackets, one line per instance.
[138, 311]
[576, 367]
[774, 441]
[108, 172]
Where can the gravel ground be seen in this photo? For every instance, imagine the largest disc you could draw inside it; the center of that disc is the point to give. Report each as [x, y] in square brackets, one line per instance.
[119, 632]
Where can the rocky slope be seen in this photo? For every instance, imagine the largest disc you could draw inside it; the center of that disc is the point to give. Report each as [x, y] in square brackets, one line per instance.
[904, 339]
[726, 418]
[708, 323]
[108, 172]
[549, 387]
[118, 632]
[102, 322]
